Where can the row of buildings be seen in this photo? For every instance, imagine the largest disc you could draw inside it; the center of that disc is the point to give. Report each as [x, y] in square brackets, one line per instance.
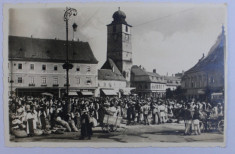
[36, 66]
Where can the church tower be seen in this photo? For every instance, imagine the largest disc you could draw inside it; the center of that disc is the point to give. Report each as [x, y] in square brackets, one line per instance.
[119, 47]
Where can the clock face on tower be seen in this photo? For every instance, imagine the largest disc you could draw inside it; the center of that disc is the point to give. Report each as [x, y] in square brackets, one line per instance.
[126, 37]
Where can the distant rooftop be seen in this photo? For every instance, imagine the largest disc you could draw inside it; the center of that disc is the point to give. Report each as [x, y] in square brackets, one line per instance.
[141, 74]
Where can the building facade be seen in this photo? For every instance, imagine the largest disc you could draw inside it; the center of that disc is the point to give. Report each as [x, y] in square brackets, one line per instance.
[147, 84]
[172, 82]
[119, 47]
[35, 66]
[110, 80]
[207, 76]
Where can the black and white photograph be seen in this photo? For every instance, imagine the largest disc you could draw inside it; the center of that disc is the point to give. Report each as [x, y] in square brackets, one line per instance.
[115, 74]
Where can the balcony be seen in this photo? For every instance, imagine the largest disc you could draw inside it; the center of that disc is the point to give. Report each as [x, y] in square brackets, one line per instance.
[32, 85]
[43, 85]
[55, 85]
[66, 85]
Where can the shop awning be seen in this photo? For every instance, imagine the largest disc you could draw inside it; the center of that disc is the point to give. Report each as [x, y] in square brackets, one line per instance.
[86, 93]
[47, 94]
[126, 91]
[73, 93]
[201, 91]
[109, 92]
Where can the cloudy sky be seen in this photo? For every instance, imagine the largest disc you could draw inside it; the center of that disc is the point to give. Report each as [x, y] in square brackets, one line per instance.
[168, 37]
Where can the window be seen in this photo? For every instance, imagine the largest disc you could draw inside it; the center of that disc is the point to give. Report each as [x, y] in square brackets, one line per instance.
[44, 80]
[55, 80]
[126, 28]
[20, 66]
[43, 67]
[32, 80]
[78, 69]
[55, 68]
[20, 80]
[31, 66]
[78, 80]
[88, 68]
[88, 81]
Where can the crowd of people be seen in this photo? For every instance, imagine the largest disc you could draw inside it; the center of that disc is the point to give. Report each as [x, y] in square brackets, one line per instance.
[44, 115]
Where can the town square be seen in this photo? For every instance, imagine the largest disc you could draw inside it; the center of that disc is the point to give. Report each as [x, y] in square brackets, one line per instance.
[117, 74]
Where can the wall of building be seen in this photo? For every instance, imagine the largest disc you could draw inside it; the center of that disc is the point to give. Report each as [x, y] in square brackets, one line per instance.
[49, 74]
[197, 83]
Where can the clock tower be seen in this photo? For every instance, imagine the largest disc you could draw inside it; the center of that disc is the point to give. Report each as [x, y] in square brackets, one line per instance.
[119, 47]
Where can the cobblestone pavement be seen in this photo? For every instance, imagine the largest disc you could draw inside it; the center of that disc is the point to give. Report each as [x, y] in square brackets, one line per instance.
[169, 132]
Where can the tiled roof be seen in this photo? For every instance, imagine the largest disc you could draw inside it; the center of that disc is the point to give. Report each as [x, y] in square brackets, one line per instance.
[215, 58]
[49, 50]
[146, 76]
[109, 71]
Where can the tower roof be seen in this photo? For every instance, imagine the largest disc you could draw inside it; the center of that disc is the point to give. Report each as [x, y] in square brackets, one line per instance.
[119, 14]
[119, 17]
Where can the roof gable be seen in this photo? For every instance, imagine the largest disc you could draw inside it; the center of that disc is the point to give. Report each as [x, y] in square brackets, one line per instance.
[109, 71]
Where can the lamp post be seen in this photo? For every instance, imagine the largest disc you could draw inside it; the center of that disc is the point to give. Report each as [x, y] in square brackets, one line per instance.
[67, 65]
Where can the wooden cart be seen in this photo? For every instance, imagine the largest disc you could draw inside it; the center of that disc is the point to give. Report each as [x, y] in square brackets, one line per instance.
[111, 123]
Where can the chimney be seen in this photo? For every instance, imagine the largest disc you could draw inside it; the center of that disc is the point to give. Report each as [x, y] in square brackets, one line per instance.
[112, 69]
[154, 70]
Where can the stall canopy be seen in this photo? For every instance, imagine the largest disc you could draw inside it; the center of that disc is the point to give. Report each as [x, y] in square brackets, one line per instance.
[109, 92]
[73, 93]
[86, 93]
[126, 91]
[47, 94]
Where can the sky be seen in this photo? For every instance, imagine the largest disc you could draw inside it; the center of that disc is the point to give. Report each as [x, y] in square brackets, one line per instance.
[168, 37]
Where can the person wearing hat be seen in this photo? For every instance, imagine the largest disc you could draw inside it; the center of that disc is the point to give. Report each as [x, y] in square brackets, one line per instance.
[188, 120]
[146, 110]
[86, 127]
[29, 121]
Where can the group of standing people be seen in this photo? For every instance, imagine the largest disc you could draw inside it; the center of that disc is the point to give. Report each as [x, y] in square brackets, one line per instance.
[53, 115]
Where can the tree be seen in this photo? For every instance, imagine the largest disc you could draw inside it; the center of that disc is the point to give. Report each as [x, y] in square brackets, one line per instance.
[169, 93]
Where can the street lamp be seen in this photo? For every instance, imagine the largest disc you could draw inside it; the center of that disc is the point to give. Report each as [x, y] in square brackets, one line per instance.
[67, 65]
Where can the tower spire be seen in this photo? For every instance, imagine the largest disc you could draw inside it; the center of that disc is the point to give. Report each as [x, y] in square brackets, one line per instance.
[222, 28]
